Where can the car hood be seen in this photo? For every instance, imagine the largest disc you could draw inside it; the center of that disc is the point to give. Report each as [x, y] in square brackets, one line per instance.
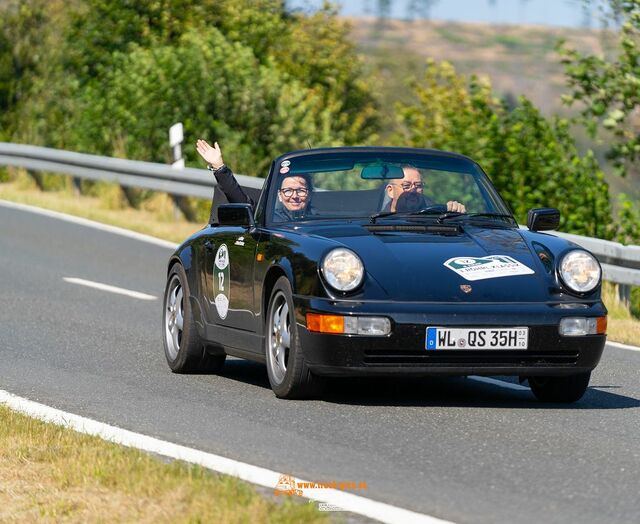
[410, 266]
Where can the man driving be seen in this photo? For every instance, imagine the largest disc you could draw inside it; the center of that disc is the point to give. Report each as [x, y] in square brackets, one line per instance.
[407, 194]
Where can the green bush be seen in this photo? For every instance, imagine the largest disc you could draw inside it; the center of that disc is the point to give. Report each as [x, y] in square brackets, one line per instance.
[532, 161]
[216, 88]
[635, 301]
[607, 89]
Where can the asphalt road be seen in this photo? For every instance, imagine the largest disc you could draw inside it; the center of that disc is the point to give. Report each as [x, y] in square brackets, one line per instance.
[457, 449]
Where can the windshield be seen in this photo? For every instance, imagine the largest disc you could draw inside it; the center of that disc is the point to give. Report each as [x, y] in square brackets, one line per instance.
[386, 184]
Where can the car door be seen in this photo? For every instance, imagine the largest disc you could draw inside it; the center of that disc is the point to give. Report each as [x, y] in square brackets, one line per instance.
[229, 260]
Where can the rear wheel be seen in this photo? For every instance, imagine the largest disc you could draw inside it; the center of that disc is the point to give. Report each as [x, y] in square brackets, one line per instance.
[184, 349]
[560, 389]
[289, 375]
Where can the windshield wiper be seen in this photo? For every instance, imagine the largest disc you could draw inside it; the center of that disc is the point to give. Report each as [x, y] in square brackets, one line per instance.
[430, 210]
[453, 214]
[381, 214]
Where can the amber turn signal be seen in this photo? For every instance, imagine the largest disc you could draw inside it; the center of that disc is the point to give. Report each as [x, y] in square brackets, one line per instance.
[325, 323]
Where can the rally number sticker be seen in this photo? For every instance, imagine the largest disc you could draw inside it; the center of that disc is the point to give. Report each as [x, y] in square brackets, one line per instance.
[221, 283]
[491, 266]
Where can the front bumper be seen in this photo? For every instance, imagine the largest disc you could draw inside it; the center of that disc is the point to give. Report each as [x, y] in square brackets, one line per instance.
[403, 351]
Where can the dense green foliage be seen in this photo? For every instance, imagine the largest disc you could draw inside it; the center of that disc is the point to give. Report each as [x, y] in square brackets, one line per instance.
[111, 76]
[532, 161]
[217, 88]
[608, 89]
[246, 73]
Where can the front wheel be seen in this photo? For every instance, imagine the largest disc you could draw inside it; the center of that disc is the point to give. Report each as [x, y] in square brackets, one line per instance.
[184, 349]
[287, 369]
[560, 389]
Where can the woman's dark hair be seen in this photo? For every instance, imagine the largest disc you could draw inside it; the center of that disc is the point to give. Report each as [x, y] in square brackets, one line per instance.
[307, 178]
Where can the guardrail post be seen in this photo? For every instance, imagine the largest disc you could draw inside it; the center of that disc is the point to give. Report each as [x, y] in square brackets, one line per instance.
[37, 178]
[75, 184]
[624, 294]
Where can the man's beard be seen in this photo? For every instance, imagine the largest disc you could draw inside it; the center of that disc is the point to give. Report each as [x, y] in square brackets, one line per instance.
[409, 201]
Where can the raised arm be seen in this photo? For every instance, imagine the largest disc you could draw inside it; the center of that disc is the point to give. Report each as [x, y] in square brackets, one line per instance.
[211, 155]
[227, 182]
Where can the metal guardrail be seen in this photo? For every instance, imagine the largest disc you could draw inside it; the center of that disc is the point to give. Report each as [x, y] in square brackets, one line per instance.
[130, 173]
[620, 264]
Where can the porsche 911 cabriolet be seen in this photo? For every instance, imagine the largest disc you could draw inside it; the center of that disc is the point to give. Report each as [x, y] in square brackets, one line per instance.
[375, 261]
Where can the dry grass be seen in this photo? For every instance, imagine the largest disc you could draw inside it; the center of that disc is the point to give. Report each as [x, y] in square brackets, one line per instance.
[623, 327]
[518, 59]
[52, 474]
[157, 218]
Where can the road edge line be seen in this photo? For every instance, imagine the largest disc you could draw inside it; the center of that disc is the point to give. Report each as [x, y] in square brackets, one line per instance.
[254, 474]
[620, 345]
[90, 223]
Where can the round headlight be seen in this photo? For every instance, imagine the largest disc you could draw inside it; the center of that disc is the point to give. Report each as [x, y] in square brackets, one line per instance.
[342, 269]
[580, 271]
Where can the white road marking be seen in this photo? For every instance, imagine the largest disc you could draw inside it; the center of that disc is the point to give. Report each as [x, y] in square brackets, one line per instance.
[388, 515]
[110, 289]
[90, 223]
[501, 383]
[248, 472]
[623, 346]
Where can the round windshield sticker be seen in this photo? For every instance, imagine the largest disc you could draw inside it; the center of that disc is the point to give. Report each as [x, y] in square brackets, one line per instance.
[221, 283]
[222, 257]
[285, 163]
[284, 170]
[222, 305]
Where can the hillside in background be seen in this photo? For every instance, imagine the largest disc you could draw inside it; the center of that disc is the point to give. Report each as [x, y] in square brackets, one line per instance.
[519, 60]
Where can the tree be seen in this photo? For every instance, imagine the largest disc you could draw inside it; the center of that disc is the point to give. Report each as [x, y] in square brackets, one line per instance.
[217, 88]
[608, 90]
[313, 50]
[27, 35]
[532, 161]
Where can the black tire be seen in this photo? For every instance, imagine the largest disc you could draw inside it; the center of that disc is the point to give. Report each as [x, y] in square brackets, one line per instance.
[560, 389]
[289, 375]
[184, 350]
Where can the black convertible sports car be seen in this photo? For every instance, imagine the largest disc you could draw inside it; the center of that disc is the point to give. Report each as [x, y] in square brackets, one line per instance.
[345, 281]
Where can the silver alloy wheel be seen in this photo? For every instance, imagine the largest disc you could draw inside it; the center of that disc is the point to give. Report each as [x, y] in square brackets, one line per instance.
[174, 317]
[279, 337]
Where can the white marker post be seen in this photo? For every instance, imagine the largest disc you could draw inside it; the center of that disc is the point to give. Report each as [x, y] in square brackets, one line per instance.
[176, 137]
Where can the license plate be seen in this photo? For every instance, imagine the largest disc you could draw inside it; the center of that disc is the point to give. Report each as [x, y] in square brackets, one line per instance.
[477, 338]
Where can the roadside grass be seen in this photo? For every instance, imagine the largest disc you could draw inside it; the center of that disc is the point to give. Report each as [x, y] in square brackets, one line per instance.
[52, 474]
[623, 326]
[158, 219]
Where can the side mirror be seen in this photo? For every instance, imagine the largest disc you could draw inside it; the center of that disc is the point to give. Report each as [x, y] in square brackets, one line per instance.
[543, 219]
[236, 215]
